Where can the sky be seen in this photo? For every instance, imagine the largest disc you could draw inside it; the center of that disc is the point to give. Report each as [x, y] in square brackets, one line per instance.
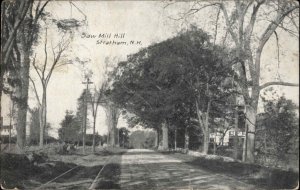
[144, 22]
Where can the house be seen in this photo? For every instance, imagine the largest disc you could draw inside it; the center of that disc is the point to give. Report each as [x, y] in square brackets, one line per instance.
[6, 129]
[227, 139]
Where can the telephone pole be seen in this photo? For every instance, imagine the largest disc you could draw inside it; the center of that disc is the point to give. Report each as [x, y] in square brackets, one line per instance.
[85, 111]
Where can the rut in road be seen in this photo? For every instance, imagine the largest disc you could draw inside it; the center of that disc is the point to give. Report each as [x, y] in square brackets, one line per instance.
[154, 170]
[109, 176]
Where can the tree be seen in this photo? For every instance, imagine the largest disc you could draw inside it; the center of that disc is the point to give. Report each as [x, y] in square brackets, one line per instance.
[70, 128]
[112, 117]
[95, 102]
[99, 98]
[12, 17]
[44, 72]
[81, 113]
[278, 129]
[142, 139]
[185, 72]
[124, 137]
[21, 27]
[241, 32]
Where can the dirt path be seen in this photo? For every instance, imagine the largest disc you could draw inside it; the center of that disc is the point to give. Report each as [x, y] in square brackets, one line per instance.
[140, 169]
[145, 169]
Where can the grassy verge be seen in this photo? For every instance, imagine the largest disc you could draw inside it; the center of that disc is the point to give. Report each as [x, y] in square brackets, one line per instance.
[261, 176]
[36, 167]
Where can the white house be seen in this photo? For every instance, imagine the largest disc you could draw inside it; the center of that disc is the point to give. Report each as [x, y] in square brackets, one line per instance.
[4, 130]
[228, 137]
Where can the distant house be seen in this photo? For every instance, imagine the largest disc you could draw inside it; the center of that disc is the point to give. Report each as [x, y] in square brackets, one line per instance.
[4, 130]
[228, 137]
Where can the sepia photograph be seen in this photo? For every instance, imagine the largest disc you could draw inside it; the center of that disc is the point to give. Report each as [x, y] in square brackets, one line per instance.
[152, 94]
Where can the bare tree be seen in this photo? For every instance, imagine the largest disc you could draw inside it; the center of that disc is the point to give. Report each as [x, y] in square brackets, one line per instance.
[112, 112]
[112, 115]
[240, 26]
[97, 100]
[44, 72]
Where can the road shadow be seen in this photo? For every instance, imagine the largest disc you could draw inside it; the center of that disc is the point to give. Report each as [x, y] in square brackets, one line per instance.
[260, 176]
[109, 177]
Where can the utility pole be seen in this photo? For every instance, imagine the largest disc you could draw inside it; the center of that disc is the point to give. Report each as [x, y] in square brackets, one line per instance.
[85, 112]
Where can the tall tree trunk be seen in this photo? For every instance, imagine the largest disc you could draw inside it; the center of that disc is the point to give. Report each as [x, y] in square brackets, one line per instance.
[107, 139]
[43, 116]
[215, 144]
[175, 138]
[249, 151]
[165, 140]
[10, 122]
[117, 137]
[94, 131]
[203, 119]
[112, 137]
[186, 139]
[112, 114]
[21, 95]
[236, 140]
[205, 141]
[157, 139]
[206, 130]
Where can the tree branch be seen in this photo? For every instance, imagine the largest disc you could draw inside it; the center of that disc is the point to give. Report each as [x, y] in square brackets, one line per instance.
[273, 25]
[36, 68]
[277, 83]
[250, 26]
[35, 90]
[46, 56]
[19, 19]
[233, 35]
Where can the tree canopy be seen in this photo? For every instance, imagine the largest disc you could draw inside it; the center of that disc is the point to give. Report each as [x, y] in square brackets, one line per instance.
[166, 80]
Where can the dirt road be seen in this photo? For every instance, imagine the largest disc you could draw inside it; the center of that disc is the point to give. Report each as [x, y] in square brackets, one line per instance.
[146, 169]
[143, 169]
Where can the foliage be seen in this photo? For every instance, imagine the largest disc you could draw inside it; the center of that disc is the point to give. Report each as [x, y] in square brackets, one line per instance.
[89, 139]
[124, 137]
[21, 28]
[80, 113]
[248, 26]
[142, 139]
[278, 127]
[70, 128]
[162, 82]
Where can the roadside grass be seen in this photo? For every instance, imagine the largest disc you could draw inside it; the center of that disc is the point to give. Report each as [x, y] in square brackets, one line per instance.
[34, 166]
[261, 176]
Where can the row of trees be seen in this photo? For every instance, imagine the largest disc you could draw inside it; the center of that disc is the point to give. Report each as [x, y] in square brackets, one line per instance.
[71, 132]
[184, 83]
[74, 127]
[236, 24]
[24, 23]
[19, 32]
[151, 85]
